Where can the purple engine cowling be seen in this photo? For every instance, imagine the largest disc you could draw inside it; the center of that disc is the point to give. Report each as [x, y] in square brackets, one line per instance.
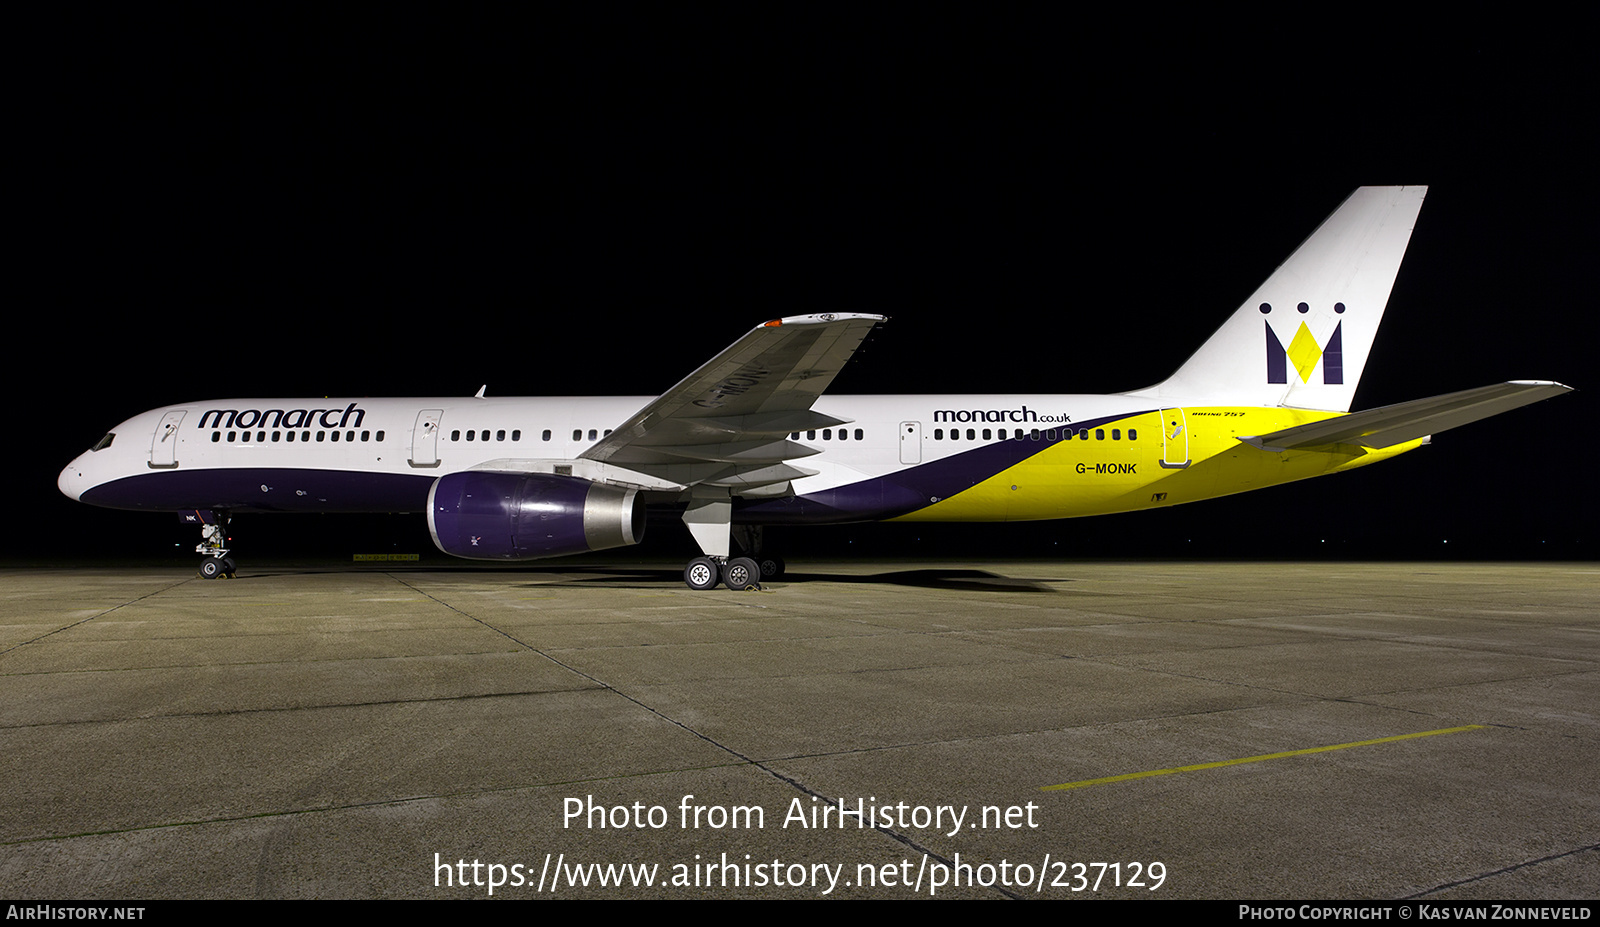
[485, 515]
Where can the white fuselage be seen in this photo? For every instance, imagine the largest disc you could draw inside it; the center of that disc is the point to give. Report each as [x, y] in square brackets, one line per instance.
[295, 454]
[931, 457]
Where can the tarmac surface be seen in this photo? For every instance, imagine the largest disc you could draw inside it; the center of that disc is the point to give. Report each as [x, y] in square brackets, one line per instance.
[1226, 730]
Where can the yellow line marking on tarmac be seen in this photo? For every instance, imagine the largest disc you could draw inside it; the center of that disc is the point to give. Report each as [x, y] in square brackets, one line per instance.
[1255, 759]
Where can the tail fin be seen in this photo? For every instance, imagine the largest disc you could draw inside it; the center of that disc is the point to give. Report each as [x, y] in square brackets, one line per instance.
[1302, 339]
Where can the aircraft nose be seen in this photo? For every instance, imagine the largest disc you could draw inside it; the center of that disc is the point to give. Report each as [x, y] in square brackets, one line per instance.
[71, 481]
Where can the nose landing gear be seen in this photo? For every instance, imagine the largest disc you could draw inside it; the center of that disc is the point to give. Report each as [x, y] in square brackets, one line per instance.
[217, 568]
[213, 544]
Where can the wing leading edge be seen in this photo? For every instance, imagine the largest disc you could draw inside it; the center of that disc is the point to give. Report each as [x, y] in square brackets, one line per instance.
[726, 423]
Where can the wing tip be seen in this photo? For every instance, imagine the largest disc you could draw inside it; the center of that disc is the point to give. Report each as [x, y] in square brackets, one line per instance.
[1552, 384]
[823, 318]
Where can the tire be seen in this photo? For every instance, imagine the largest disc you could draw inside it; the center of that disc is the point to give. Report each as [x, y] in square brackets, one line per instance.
[701, 573]
[740, 574]
[213, 568]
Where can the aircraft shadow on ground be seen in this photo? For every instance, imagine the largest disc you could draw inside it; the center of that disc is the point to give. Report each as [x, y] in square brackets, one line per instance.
[955, 579]
[930, 578]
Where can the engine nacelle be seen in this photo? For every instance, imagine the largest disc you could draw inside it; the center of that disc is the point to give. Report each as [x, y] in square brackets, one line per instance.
[486, 515]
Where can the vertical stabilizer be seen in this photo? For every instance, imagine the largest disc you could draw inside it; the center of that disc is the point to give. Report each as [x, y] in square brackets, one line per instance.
[1302, 339]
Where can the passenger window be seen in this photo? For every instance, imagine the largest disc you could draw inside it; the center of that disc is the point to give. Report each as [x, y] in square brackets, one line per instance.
[577, 434]
[938, 434]
[1099, 434]
[858, 434]
[1133, 435]
[545, 435]
[1116, 434]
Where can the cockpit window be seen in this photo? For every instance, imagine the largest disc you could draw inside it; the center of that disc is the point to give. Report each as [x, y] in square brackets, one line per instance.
[104, 443]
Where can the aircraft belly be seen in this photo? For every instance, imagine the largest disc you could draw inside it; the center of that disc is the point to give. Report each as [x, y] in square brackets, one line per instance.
[264, 490]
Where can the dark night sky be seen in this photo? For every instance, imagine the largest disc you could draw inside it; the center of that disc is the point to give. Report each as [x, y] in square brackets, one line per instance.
[333, 207]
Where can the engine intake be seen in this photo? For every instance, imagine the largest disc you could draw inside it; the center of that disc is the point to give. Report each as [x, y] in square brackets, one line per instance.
[484, 515]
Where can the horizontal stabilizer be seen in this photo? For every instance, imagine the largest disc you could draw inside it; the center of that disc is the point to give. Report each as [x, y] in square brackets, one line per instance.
[1408, 421]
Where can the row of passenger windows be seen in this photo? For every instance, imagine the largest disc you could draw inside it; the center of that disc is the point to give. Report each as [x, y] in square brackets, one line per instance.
[594, 434]
[264, 437]
[244, 437]
[1049, 434]
[843, 434]
[516, 434]
[828, 434]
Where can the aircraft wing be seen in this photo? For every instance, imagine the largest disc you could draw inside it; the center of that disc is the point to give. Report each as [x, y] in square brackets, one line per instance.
[1408, 421]
[727, 423]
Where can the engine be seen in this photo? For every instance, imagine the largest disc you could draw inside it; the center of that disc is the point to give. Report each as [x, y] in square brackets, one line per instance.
[484, 515]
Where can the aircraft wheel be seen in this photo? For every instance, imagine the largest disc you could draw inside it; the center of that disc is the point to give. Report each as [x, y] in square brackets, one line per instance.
[701, 573]
[771, 567]
[214, 568]
[741, 573]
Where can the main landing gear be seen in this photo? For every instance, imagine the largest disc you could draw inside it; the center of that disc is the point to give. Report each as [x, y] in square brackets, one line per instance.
[739, 573]
[213, 544]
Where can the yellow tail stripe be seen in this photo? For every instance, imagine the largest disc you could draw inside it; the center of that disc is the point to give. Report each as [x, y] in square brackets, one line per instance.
[1255, 759]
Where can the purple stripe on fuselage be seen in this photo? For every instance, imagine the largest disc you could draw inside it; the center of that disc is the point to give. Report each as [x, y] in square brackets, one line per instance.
[905, 491]
[269, 490]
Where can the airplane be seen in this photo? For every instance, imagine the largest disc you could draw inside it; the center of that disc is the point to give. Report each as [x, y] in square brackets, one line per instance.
[751, 438]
